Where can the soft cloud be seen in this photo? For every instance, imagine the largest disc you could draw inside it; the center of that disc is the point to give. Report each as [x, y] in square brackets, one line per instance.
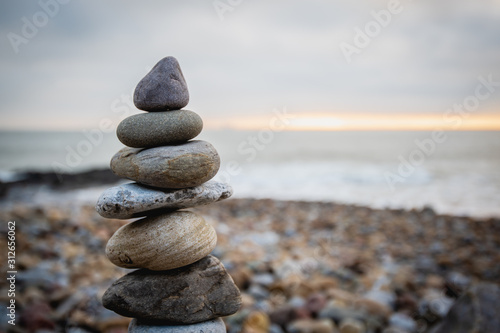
[262, 55]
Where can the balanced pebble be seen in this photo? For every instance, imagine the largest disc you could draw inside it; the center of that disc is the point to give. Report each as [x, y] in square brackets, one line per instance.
[135, 200]
[350, 325]
[210, 326]
[162, 242]
[180, 166]
[154, 129]
[186, 295]
[163, 88]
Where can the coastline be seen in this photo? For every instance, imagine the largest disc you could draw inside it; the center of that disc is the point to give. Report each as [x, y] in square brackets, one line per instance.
[460, 177]
[81, 188]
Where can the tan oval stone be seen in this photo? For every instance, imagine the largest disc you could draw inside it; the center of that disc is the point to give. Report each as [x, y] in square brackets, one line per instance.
[162, 242]
[178, 166]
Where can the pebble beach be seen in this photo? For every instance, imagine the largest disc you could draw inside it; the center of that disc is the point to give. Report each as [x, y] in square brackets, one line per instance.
[300, 266]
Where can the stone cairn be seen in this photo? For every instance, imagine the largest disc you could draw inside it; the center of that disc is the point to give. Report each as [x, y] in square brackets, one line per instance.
[179, 286]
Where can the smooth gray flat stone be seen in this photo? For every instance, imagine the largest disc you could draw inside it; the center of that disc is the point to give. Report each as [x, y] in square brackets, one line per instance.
[191, 294]
[178, 166]
[211, 326]
[135, 200]
[154, 129]
[163, 88]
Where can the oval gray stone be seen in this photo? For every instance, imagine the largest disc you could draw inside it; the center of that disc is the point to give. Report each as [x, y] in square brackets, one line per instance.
[163, 88]
[210, 326]
[135, 200]
[186, 165]
[159, 128]
[191, 294]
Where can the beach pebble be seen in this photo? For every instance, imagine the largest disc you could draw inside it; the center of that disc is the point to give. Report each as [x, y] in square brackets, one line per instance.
[382, 297]
[373, 307]
[134, 200]
[180, 166]
[457, 282]
[284, 315]
[403, 322]
[394, 329]
[297, 301]
[312, 326]
[36, 317]
[275, 329]
[258, 292]
[351, 325]
[256, 322]
[163, 88]
[477, 310]
[162, 242]
[263, 279]
[434, 304]
[315, 303]
[154, 129]
[210, 326]
[338, 313]
[186, 295]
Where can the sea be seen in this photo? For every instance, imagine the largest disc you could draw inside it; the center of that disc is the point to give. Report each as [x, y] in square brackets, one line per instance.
[454, 173]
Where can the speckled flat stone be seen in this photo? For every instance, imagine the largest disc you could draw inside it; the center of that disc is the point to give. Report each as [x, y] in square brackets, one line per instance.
[162, 242]
[180, 166]
[154, 129]
[135, 200]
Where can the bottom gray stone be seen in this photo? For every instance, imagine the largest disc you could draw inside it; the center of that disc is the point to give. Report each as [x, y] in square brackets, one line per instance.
[210, 326]
[477, 310]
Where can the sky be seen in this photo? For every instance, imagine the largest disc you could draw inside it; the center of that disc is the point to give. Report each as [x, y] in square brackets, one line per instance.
[333, 65]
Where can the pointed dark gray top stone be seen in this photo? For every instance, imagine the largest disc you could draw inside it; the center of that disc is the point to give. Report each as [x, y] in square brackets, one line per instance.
[163, 88]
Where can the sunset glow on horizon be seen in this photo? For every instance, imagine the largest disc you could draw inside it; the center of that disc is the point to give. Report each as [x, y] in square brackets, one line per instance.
[363, 122]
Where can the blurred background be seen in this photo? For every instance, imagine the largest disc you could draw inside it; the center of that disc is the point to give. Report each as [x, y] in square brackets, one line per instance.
[376, 104]
[394, 72]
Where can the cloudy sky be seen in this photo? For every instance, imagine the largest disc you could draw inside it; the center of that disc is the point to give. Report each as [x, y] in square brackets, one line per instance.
[69, 64]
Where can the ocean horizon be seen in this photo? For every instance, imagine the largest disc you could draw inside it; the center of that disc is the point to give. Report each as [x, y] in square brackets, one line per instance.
[454, 173]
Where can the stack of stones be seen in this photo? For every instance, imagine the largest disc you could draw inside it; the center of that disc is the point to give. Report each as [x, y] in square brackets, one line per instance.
[179, 286]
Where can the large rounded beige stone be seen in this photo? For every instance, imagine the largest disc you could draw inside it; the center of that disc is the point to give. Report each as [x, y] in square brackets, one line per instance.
[162, 242]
